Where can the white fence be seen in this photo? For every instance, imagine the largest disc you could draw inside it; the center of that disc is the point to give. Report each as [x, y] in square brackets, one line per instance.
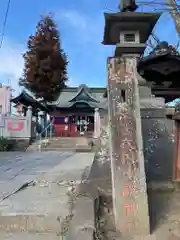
[13, 127]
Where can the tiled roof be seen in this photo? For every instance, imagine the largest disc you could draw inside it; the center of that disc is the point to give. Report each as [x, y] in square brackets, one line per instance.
[92, 96]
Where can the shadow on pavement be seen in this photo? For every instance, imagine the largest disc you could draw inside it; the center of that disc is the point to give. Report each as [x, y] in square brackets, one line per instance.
[158, 208]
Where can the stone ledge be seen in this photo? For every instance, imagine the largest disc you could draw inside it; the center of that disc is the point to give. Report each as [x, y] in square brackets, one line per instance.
[168, 186]
[29, 223]
[58, 149]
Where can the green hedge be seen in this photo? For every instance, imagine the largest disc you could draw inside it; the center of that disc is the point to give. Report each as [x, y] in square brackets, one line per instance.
[5, 144]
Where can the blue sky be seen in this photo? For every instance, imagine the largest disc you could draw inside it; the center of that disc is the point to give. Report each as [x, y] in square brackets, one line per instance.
[81, 26]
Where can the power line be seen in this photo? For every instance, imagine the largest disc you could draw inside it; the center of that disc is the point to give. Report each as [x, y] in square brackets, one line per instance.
[4, 23]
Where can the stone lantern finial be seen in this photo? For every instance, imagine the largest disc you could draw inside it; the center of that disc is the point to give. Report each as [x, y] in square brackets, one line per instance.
[128, 6]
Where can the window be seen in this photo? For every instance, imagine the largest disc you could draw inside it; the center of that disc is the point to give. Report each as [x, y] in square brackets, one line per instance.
[129, 37]
[123, 95]
[0, 109]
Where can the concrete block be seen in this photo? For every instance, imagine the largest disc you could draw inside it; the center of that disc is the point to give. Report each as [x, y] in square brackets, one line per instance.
[43, 224]
[82, 225]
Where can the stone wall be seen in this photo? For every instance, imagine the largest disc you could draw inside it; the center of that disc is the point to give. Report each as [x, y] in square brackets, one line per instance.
[17, 127]
[159, 145]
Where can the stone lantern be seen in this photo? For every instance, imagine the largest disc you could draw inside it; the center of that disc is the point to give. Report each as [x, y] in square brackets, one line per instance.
[129, 31]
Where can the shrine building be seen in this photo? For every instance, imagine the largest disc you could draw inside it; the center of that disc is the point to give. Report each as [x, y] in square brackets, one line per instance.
[73, 112]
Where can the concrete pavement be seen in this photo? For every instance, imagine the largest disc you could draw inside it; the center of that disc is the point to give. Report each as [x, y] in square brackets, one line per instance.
[43, 206]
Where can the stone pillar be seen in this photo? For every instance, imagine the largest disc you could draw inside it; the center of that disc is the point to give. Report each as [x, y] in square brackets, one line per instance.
[29, 113]
[42, 119]
[126, 150]
[97, 124]
[29, 117]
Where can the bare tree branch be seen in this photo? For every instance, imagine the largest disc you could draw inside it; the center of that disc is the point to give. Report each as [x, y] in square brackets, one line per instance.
[175, 14]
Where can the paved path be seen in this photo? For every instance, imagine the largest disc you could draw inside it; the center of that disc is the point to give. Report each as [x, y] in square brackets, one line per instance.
[18, 168]
[40, 207]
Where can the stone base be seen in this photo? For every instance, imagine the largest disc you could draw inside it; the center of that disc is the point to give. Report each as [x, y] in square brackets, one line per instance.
[136, 222]
[168, 186]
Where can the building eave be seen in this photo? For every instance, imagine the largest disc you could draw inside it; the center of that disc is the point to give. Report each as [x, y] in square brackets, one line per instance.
[28, 100]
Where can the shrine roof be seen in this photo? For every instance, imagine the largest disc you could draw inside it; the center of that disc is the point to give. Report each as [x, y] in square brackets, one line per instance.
[28, 100]
[163, 49]
[23, 95]
[92, 97]
[82, 94]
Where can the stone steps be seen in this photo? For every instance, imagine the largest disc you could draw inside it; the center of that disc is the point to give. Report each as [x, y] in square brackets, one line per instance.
[60, 148]
[48, 149]
[63, 144]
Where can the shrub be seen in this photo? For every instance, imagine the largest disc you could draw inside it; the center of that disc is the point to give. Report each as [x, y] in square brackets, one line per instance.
[5, 144]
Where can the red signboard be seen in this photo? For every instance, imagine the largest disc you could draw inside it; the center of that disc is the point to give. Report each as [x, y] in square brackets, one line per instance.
[15, 125]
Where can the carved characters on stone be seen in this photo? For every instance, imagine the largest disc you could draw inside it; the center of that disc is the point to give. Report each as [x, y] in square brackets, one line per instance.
[122, 72]
[126, 163]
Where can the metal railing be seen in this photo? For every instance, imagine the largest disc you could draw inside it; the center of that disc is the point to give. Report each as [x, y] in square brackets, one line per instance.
[45, 135]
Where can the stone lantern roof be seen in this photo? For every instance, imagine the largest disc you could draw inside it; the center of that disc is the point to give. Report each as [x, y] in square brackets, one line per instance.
[116, 22]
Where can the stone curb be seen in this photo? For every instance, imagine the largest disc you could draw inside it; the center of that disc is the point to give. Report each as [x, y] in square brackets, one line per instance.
[82, 224]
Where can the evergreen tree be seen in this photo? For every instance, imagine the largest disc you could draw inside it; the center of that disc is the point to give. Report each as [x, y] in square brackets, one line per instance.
[45, 69]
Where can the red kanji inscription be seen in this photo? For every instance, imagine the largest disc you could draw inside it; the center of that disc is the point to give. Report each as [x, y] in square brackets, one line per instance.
[129, 208]
[127, 190]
